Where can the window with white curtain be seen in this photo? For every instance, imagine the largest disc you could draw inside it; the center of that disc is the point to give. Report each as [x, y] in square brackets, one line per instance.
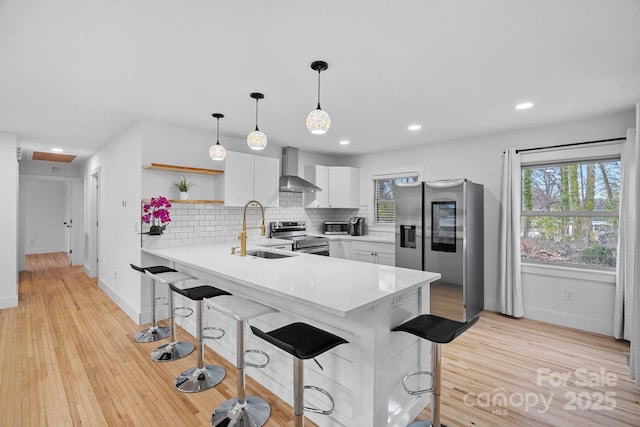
[569, 212]
[384, 208]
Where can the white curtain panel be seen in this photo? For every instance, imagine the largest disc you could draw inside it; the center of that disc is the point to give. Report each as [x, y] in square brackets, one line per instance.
[509, 298]
[634, 362]
[625, 269]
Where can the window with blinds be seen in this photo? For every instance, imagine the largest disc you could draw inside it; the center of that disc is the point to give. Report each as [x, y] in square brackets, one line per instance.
[384, 207]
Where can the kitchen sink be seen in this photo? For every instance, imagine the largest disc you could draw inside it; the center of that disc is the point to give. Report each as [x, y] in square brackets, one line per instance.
[268, 255]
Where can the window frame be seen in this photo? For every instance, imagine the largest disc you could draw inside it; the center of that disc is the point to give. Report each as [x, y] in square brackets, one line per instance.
[388, 174]
[566, 156]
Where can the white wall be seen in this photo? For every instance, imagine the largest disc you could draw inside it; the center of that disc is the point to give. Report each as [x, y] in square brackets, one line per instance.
[480, 160]
[119, 215]
[43, 215]
[9, 219]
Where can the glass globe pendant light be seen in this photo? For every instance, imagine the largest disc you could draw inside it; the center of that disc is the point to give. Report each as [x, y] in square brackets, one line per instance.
[217, 151]
[318, 121]
[256, 139]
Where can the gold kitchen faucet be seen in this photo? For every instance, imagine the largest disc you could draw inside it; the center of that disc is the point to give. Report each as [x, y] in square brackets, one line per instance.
[243, 233]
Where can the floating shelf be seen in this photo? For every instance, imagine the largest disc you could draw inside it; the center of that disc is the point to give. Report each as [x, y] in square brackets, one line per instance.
[187, 169]
[210, 202]
[215, 202]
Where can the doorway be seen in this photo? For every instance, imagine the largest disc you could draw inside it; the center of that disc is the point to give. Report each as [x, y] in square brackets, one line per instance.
[91, 254]
[48, 207]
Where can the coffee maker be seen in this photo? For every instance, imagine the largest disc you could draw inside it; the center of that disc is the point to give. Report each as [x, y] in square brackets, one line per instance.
[357, 226]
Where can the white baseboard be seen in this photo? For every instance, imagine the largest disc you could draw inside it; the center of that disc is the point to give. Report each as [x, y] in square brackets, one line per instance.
[45, 250]
[561, 319]
[570, 320]
[8, 302]
[129, 311]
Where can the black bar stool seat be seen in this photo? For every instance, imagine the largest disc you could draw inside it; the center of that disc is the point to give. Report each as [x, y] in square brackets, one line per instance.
[438, 330]
[198, 293]
[435, 328]
[302, 341]
[201, 377]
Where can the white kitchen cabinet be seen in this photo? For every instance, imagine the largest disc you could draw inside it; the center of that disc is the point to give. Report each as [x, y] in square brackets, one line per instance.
[373, 252]
[340, 187]
[266, 181]
[340, 249]
[248, 177]
[318, 175]
[336, 250]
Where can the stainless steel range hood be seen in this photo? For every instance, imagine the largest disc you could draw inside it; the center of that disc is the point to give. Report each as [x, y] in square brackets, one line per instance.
[290, 181]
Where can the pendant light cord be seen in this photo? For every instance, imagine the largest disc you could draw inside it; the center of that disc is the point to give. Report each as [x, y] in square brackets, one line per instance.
[257, 114]
[319, 91]
[218, 131]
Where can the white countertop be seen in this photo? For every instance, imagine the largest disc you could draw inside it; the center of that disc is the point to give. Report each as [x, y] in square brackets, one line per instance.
[336, 286]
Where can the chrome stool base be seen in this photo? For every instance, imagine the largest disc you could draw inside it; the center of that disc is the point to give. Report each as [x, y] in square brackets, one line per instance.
[154, 333]
[196, 379]
[172, 351]
[254, 412]
[423, 424]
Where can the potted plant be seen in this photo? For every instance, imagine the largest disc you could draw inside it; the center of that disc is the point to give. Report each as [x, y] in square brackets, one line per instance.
[156, 213]
[183, 186]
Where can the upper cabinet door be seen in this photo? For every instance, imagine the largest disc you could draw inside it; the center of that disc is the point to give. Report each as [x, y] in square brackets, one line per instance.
[340, 187]
[318, 175]
[238, 179]
[248, 177]
[266, 173]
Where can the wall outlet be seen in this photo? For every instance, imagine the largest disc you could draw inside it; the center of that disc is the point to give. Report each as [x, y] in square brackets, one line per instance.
[568, 294]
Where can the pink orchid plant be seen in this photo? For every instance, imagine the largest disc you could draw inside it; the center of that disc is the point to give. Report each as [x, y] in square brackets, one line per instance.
[156, 213]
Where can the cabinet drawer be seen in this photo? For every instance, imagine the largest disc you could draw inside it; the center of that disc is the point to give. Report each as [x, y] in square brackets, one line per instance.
[378, 247]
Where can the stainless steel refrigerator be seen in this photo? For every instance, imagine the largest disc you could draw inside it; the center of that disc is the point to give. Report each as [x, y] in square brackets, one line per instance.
[440, 228]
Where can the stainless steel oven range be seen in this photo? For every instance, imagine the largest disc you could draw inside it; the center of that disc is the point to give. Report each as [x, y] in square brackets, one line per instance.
[296, 231]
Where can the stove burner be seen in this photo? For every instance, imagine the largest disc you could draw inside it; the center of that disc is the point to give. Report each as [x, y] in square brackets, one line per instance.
[296, 231]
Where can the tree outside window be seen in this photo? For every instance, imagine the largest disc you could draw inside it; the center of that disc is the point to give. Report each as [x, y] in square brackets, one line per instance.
[570, 213]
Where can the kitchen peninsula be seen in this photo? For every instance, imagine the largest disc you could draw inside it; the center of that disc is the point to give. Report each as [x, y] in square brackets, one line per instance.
[358, 301]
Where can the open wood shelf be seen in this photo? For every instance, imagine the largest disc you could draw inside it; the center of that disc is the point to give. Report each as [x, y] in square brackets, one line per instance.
[187, 169]
[215, 202]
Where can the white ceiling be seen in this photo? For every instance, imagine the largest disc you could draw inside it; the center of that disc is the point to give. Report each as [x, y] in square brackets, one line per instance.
[76, 74]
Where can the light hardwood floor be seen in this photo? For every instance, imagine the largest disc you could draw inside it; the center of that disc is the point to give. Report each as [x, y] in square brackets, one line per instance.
[67, 358]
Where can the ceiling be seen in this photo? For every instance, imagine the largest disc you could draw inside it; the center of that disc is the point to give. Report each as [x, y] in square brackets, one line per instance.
[76, 74]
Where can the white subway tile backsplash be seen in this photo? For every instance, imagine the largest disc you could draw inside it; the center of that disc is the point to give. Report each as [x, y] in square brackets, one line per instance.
[198, 224]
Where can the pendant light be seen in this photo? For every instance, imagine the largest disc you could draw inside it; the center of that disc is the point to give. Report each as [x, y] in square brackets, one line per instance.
[217, 151]
[256, 139]
[318, 121]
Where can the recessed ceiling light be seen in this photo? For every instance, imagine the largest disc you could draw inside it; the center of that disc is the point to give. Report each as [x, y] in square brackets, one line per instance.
[524, 106]
[415, 127]
[57, 150]
[344, 142]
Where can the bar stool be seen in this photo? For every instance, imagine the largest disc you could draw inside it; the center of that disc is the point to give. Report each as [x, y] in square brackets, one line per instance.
[242, 410]
[155, 332]
[174, 349]
[439, 331]
[302, 341]
[201, 377]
